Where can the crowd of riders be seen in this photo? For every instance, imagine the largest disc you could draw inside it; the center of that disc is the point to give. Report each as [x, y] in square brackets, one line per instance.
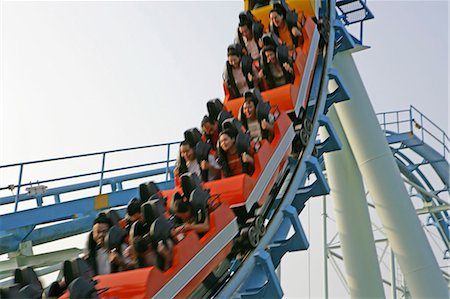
[259, 59]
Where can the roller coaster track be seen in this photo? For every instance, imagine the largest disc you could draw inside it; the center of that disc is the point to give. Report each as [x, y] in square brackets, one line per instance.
[255, 277]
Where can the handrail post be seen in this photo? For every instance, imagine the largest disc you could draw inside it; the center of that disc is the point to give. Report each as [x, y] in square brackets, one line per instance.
[398, 122]
[421, 126]
[167, 162]
[410, 120]
[16, 201]
[102, 172]
[384, 121]
[443, 142]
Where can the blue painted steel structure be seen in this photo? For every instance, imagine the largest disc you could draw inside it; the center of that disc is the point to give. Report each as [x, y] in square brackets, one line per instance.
[410, 134]
[22, 224]
[255, 278]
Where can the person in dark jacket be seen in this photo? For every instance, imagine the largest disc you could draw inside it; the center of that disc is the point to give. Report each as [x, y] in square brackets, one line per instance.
[277, 67]
[99, 258]
[239, 75]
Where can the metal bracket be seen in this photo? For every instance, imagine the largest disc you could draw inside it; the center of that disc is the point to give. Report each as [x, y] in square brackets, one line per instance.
[339, 94]
[298, 241]
[343, 40]
[263, 279]
[319, 187]
[332, 143]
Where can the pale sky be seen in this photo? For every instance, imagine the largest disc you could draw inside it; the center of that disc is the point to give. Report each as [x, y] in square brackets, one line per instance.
[79, 77]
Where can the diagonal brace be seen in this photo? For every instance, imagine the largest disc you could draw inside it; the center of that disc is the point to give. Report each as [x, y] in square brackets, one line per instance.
[332, 143]
[340, 94]
[319, 187]
[296, 242]
[263, 278]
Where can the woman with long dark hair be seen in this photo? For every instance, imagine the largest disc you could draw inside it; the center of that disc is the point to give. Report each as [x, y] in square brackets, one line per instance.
[231, 160]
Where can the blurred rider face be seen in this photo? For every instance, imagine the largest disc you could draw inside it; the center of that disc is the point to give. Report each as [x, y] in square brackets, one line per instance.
[234, 61]
[99, 231]
[276, 19]
[210, 129]
[271, 57]
[187, 153]
[249, 109]
[246, 32]
[226, 142]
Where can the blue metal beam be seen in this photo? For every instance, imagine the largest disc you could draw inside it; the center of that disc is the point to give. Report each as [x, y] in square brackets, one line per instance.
[332, 143]
[340, 94]
[86, 185]
[18, 227]
[263, 282]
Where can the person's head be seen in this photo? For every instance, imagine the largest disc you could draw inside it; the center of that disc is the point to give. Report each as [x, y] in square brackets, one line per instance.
[209, 126]
[226, 140]
[234, 55]
[100, 228]
[249, 107]
[277, 16]
[134, 209]
[186, 151]
[181, 207]
[246, 30]
[269, 52]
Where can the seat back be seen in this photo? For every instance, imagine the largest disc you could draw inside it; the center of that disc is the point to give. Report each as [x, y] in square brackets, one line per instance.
[263, 110]
[76, 268]
[233, 125]
[10, 292]
[115, 237]
[160, 230]
[223, 115]
[214, 107]
[192, 136]
[26, 276]
[149, 212]
[243, 142]
[146, 190]
[54, 290]
[81, 288]
[189, 181]
[113, 216]
[202, 151]
[199, 199]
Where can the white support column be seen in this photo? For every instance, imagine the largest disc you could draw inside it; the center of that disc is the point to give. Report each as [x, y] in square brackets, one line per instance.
[383, 179]
[352, 218]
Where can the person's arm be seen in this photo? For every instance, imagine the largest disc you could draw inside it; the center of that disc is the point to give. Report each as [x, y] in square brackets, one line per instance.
[166, 251]
[246, 158]
[255, 76]
[211, 165]
[198, 227]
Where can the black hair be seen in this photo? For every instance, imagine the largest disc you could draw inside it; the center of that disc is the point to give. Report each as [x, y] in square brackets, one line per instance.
[180, 204]
[222, 155]
[244, 20]
[182, 167]
[235, 49]
[133, 207]
[206, 119]
[279, 9]
[269, 48]
[250, 97]
[102, 218]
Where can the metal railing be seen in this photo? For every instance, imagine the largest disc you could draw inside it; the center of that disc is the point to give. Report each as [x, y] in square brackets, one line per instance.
[166, 162]
[413, 121]
[353, 12]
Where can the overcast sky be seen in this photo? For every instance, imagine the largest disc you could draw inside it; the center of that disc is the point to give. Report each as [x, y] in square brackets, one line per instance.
[79, 77]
